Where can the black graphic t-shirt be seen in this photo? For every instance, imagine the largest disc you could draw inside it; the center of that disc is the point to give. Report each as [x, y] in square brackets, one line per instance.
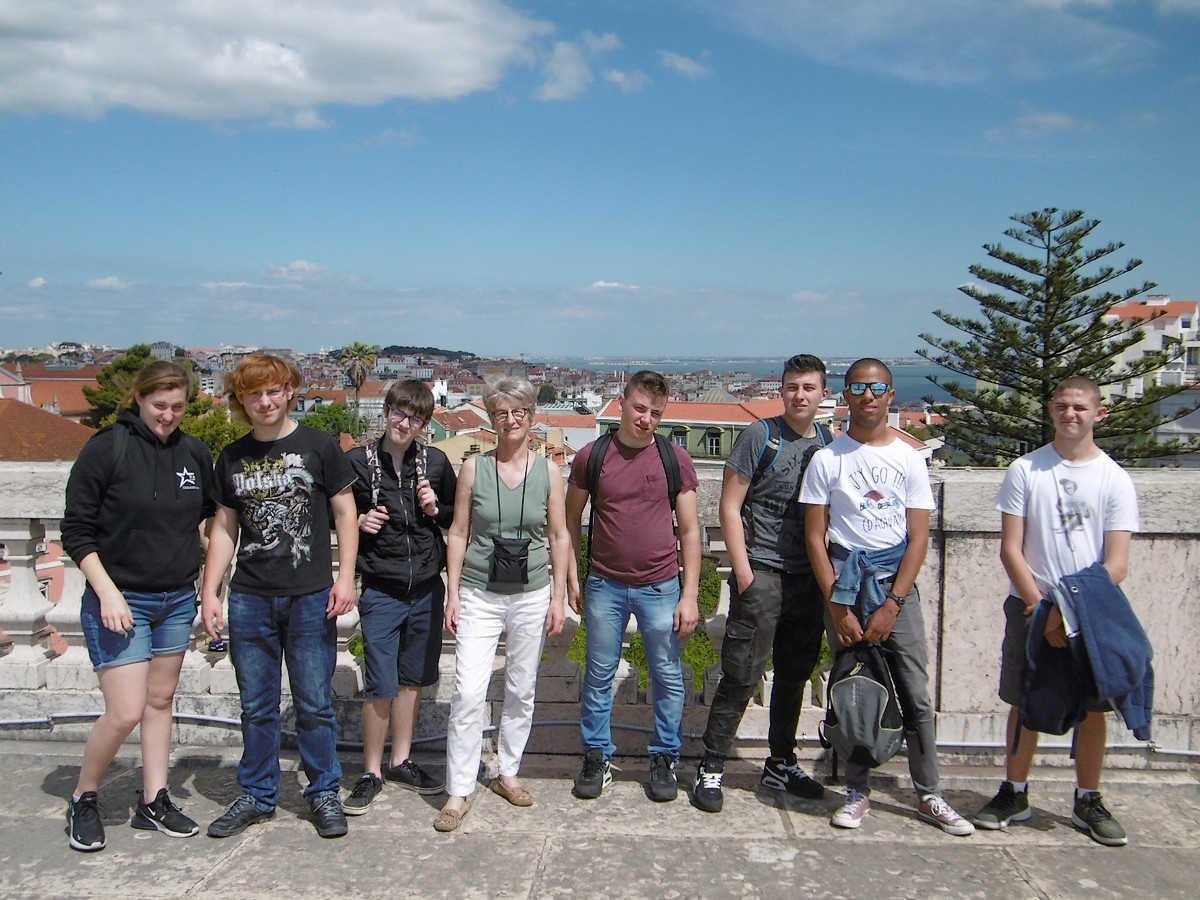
[280, 491]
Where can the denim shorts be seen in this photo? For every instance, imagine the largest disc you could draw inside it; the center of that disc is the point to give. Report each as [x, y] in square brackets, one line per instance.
[162, 624]
[1012, 657]
[402, 638]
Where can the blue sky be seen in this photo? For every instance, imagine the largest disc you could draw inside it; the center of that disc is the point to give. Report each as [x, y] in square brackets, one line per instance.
[614, 177]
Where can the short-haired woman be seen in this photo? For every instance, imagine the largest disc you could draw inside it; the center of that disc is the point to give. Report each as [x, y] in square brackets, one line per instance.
[509, 527]
[136, 498]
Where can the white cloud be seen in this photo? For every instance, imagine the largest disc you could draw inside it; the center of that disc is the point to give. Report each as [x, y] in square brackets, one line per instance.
[1034, 124]
[299, 270]
[568, 73]
[947, 42]
[229, 59]
[568, 70]
[612, 286]
[37, 282]
[683, 65]
[112, 282]
[628, 82]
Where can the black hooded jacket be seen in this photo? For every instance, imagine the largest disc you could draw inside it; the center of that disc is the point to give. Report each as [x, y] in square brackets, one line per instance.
[409, 549]
[140, 513]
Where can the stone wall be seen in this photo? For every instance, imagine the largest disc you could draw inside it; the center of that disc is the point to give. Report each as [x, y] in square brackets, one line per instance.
[962, 587]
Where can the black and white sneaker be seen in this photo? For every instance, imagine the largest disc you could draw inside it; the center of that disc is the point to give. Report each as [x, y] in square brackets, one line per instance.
[84, 827]
[786, 775]
[163, 815]
[595, 777]
[706, 789]
[328, 815]
[412, 777]
[362, 795]
[664, 780]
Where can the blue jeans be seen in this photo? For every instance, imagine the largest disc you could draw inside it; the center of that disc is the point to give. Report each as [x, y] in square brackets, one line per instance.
[264, 631]
[607, 607]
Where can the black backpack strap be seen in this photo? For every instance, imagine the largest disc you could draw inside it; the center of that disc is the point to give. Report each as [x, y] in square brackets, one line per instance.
[824, 434]
[770, 447]
[595, 461]
[671, 466]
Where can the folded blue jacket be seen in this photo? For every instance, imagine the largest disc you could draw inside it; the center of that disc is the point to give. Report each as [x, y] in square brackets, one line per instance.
[1117, 646]
[859, 569]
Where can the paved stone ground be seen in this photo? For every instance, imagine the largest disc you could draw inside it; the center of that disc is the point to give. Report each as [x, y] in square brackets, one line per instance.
[619, 846]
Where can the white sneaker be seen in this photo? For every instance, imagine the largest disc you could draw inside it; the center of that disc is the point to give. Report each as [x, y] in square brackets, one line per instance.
[937, 811]
[856, 808]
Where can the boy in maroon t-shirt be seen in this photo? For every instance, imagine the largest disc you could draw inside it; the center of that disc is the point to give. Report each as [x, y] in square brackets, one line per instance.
[634, 568]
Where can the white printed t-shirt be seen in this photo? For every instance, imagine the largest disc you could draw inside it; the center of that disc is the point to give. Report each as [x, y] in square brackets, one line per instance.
[869, 491]
[1067, 507]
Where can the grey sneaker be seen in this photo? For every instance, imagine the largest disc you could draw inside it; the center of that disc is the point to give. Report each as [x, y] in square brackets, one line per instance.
[664, 779]
[163, 815]
[1007, 806]
[856, 808]
[706, 789]
[1091, 816]
[936, 811]
[240, 814]
[328, 815]
[362, 795]
[84, 827]
[595, 777]
[787, 775]
[412, 777]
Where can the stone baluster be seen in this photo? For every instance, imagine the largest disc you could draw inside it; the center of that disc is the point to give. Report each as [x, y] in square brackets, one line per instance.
[23, 610]
[196, 675]
[71, 670]
[347, 672]
[715, 629]
[560, 678]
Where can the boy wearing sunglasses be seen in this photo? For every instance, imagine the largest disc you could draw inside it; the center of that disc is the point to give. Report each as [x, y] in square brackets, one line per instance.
[405, 496]
[867, 528]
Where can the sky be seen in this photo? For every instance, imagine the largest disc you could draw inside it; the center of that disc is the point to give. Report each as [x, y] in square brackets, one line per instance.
[573, 177]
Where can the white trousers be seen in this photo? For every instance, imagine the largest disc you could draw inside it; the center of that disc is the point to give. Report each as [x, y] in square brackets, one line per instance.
[483, 616]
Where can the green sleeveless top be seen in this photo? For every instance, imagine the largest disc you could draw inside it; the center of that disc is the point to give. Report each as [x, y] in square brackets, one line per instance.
[484, 525]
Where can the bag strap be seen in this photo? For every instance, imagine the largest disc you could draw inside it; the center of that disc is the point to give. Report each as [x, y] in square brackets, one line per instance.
[374, 468]
[499, 514]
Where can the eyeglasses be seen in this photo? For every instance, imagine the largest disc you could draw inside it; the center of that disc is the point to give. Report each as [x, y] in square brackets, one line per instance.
[878, 388]
[400, 417]
[503, 415]
[272, 393]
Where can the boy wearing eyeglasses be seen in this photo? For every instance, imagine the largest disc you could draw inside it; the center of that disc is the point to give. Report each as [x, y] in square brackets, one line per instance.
[404, 493]
[867, 527]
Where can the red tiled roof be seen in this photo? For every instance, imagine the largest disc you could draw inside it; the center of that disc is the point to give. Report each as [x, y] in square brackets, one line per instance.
[1143, 309]
[689, 411]
[565, 420]
[459, 420]
[29, 434]
[43, 370]
[68, 395]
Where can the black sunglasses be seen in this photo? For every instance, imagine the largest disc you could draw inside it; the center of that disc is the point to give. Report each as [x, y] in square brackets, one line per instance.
[878, 388]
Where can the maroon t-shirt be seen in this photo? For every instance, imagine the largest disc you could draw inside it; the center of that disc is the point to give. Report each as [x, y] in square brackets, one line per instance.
[633, 538]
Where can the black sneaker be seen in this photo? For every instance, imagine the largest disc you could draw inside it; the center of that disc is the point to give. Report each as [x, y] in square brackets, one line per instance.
[1091, 816]
[328, 815]
[84, 827]
[366, 789]
[239, 815]
[412, 777]
[664, 782]
[706, 789]
[163, 815]
[786, 775]
[1009, 805]
[595, 777]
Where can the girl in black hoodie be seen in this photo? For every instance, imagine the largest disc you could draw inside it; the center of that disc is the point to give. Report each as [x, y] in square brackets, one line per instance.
[136, 498]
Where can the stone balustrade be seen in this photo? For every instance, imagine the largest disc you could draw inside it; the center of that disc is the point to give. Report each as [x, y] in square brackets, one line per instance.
[47, 695]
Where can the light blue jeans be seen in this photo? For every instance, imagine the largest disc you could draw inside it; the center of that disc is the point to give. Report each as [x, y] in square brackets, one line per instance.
[607, 607]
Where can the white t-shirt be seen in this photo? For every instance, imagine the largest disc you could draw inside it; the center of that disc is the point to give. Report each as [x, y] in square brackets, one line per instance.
[869, 491]
[1067, 507]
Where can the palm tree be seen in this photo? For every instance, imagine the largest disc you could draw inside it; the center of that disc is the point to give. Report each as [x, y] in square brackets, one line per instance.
[358, 359]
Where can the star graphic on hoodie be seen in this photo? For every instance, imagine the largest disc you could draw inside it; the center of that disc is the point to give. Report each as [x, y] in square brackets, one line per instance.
[186, 479]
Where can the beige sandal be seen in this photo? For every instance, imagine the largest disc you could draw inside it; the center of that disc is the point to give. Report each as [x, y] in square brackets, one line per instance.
[448, 820]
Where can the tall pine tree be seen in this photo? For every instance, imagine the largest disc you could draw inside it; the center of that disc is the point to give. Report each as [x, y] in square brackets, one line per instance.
[1044, 319]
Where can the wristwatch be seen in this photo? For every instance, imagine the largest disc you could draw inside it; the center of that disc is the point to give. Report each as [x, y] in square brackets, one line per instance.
[892, 595]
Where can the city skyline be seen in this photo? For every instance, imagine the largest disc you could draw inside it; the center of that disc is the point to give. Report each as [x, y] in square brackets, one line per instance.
[695, 178]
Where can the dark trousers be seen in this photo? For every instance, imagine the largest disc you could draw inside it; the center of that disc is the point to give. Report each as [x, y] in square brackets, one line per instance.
[781, 613]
